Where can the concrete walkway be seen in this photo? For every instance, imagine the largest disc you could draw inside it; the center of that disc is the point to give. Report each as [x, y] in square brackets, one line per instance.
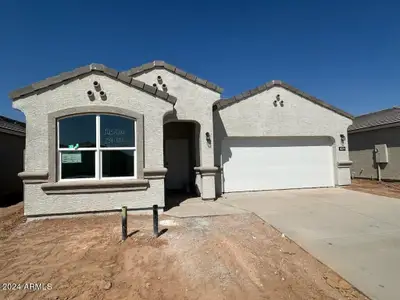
[195, 207]
[354, 233]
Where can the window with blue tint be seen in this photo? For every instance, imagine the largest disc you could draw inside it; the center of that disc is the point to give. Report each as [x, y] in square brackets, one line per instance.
[77, 130]
[116, 131]
[80, 157]
[78, 164]
[117, 163]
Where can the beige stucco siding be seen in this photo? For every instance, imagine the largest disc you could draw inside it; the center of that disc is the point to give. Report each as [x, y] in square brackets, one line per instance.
[257, 116]
[74, 94]
[37, 203]
[11, 162]
[362, 144]
[194, 103]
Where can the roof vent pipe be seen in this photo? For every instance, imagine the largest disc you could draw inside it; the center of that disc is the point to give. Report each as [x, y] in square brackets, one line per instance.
[103, 95]
[159, 79]
[90, 95]
[96, 85]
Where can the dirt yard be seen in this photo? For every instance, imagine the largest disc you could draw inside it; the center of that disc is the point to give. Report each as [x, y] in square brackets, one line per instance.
[228, 257]
[388, 189]
[10, 217]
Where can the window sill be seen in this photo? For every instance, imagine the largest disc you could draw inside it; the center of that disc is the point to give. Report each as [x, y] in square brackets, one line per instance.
[95, 186]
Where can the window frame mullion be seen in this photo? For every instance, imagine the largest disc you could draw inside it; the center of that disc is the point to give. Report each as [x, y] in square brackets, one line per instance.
[97, 156]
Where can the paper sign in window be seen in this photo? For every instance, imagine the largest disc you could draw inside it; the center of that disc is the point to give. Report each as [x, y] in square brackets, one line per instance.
[71, 158]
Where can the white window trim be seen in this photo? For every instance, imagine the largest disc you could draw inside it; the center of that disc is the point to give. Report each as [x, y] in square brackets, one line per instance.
[98, 153]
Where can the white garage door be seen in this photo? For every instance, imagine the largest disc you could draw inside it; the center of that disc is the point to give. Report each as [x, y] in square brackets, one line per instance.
[251, 164]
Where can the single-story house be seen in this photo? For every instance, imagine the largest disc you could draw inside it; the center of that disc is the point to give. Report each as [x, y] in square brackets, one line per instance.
[98, 139]
[374, 145]
[12, 145]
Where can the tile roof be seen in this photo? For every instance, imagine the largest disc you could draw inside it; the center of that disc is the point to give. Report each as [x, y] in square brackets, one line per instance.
[221, 104]
[15, 126]
[159, 64]
[374, 119]
[120, 76]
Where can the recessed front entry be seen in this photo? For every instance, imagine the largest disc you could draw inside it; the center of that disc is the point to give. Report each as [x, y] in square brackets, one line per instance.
[251, 164]
[180, 155]
[177, 162]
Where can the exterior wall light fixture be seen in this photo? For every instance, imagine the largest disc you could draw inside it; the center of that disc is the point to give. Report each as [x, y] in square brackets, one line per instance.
[342, 138]
[208, 139]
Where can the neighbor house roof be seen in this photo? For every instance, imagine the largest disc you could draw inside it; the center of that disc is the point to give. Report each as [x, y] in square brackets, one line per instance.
[376, 119]
[120, 76]
[11, 126]
[223, 103]
[159, 64]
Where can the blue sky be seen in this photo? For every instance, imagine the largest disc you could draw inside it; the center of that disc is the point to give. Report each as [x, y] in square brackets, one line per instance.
[346, 53]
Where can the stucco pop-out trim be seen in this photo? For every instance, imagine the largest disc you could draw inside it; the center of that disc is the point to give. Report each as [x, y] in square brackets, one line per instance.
[207, 171]
[223, 103]
[34, 177]
[99, 68]
[52, 129]
[159, 64]
[158, 173]
[344, 164]
[94, 186]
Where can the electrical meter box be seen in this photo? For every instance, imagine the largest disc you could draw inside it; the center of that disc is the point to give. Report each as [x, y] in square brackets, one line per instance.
[381, 154]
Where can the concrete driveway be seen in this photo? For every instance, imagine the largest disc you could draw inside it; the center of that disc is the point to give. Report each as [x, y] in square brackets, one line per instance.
[354, 233]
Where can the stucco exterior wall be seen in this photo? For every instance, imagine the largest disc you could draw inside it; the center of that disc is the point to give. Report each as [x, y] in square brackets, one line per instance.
[194, 103]
[37, 203]
[71, 95]
[257, 116]
[11, 163]
[361, 146]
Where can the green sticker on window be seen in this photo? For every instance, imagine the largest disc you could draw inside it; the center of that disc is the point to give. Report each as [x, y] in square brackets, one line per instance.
[73, 147]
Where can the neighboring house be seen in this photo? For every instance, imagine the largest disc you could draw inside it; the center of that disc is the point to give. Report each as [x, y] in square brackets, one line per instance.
[374, 142]
[12, 145]
[99, 139]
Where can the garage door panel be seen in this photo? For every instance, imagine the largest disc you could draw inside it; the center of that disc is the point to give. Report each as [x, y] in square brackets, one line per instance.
[276, 163]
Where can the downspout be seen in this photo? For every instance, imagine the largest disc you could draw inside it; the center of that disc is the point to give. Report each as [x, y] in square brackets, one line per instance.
[379, 171]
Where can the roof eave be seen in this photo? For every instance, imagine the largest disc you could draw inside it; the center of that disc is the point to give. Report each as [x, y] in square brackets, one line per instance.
[119, 76]
[159, 64]
[372, 128]
[223, 103]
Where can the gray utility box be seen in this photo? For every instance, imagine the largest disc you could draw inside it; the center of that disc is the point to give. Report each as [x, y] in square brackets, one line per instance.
[381, 154]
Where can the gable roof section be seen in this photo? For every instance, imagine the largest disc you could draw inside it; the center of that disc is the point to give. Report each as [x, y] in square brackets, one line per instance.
[99, 68]
[11, 126]
[376, 119]
[159, 64]
[223, 103]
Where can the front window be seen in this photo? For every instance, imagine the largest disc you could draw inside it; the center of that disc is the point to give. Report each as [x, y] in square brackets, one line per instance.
[96, 147]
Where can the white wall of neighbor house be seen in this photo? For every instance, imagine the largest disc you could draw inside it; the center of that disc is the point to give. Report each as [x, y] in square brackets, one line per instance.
[194, 103]
[71, 95]
[257, 117]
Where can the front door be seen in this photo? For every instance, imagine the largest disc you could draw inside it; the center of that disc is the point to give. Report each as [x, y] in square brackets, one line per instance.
[177, 163]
